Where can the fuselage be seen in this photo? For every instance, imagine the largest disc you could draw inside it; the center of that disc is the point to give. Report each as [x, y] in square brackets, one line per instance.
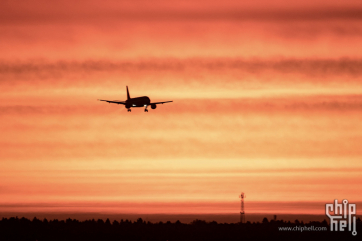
[138, 102]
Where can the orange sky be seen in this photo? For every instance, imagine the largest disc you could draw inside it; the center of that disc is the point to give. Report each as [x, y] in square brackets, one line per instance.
[267, 100]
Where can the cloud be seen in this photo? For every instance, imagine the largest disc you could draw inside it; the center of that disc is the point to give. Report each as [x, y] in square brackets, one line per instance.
[73, 71]
[93, 12]
[81, 82]
[76, 107]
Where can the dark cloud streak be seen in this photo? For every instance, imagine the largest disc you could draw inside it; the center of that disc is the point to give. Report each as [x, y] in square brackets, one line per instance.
[309, 67]
[335, 66]
[94, 17]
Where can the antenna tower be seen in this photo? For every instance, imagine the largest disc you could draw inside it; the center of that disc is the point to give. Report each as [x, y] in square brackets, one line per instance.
[242, 212]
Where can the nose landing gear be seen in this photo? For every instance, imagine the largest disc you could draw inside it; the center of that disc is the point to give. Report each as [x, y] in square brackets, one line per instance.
[146, 110]
[128, 110]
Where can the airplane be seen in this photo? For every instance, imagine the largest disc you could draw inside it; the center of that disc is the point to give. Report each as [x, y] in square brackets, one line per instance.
[142, 101]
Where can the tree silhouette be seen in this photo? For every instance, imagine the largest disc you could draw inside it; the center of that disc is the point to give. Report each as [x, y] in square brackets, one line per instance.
[72, 229]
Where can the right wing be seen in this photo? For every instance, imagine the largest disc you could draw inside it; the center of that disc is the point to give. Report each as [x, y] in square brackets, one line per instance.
[156, 103]
[114, 101]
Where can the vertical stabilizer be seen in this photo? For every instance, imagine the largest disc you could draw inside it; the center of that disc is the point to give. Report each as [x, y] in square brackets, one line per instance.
[128, 94]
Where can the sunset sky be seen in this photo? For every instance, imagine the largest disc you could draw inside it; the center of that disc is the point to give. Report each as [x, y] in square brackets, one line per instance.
[267, 101]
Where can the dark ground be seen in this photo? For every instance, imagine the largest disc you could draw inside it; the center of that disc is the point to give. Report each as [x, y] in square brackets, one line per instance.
[42, 230]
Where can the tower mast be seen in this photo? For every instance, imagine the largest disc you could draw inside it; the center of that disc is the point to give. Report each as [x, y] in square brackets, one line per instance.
[242, 212]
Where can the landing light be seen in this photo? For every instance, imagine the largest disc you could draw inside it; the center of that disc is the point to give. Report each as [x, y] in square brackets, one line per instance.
[133, 105]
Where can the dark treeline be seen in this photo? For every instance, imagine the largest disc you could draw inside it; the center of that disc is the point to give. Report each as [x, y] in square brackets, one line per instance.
[71, 229]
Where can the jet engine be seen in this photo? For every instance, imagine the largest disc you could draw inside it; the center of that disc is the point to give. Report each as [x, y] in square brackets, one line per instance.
[128, 106]
[153, 106]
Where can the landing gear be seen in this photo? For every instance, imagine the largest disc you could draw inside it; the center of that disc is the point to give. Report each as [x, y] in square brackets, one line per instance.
[128, 110]
[146, 110]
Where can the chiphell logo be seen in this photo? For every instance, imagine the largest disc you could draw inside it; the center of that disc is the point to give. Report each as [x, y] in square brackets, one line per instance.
[342, 214]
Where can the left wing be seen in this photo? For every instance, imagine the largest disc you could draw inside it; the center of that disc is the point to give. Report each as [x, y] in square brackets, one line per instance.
[156, 103]
[114, 101]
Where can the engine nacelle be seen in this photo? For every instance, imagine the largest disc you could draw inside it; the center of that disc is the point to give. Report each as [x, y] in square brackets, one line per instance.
[128, 106]
[153, 106]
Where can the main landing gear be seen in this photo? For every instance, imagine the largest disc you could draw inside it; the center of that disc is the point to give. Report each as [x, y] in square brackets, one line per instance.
[128, 110]
[146, 110]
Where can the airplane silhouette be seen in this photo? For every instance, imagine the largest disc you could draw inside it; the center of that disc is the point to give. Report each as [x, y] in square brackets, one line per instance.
[142, 101]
